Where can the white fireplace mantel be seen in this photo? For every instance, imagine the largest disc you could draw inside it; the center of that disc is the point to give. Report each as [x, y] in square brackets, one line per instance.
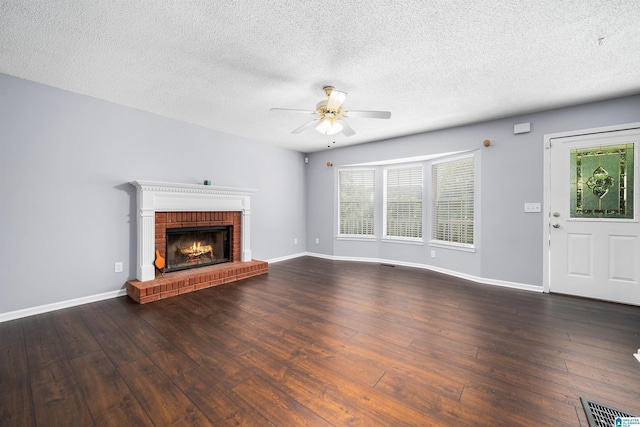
[155, 197]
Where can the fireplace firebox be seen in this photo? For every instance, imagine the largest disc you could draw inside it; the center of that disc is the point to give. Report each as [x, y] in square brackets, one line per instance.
[192, 247]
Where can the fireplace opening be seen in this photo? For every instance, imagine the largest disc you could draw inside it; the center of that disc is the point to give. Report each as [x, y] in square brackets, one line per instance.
[193, 247]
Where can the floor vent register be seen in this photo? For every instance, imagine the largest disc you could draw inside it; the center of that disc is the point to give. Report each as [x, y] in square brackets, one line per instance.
[599, 415]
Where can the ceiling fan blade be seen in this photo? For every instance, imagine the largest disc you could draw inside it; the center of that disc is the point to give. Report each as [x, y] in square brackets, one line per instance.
[295, 110]
[346, 129]
[368, 114]
[305, 126]
[336, 98]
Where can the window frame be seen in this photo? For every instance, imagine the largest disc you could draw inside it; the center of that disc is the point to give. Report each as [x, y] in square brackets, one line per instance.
[385, 201]
[346, 236]
[467, 247]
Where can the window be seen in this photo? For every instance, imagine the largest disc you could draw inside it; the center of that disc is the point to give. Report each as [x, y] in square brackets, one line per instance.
[453, 201]
[403, 202]
[357, 204]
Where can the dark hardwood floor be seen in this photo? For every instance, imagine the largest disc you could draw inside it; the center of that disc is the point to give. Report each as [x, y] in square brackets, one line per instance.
[323, 343]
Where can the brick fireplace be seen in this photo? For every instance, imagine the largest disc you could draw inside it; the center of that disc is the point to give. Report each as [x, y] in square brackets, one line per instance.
[169, 205]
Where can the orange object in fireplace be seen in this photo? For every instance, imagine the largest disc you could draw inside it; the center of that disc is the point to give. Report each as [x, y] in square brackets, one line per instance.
[159, 262]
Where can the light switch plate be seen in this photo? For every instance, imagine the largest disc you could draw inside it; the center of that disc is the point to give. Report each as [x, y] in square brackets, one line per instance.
[532, 207]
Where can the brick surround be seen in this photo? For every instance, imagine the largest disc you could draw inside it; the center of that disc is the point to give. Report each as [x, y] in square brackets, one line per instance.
[166, 220]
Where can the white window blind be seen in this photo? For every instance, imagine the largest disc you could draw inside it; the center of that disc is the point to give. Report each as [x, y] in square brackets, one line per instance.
[403, 200]
[357, 204]
[453, 201]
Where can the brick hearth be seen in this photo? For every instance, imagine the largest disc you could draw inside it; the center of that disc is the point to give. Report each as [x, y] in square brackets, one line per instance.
[184, 281]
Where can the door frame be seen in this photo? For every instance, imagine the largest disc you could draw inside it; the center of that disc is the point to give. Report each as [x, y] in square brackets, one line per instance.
[546, 218]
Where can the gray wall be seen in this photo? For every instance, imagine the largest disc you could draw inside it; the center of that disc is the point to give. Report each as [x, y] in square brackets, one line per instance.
[510, 242]
[67, 210]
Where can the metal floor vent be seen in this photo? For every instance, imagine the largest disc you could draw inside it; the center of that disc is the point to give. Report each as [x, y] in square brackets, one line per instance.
[599, 415]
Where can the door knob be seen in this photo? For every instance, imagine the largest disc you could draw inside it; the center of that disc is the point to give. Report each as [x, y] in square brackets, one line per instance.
[556, 225]
[556, 214]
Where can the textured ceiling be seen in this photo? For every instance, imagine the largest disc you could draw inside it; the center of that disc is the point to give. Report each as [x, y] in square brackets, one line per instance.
[223, 65]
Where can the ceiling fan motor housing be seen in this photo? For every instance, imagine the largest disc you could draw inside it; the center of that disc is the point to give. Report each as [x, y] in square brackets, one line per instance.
[321, 108]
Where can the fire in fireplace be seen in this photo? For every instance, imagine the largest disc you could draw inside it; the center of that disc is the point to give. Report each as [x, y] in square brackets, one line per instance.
[193, 247]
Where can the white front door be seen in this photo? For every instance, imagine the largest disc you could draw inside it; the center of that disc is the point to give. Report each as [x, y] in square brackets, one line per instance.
[594, 233]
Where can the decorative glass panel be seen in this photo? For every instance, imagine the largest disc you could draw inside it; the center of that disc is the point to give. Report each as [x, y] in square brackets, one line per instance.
[602, 182]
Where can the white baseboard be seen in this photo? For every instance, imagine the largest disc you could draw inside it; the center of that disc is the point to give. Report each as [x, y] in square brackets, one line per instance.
[482, 280]
[18, 314]
[288, 257]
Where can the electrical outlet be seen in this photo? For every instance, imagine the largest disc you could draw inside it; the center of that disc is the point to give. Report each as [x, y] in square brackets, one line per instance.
[295, 241]
[317, 241]
[118, 267]
[433, 254]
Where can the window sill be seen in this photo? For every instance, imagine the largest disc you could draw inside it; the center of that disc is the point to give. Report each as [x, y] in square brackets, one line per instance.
[357, 238]
[405, 241]
[453, 246]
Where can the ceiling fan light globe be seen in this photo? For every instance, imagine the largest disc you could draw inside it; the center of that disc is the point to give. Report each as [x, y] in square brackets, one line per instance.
[329, 126]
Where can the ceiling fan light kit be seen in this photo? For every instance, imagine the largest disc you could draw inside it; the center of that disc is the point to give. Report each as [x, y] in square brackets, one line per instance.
[331, 116]
[329, 125]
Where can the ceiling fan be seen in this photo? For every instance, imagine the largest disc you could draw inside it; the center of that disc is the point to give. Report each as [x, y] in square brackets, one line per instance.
[331, 117]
